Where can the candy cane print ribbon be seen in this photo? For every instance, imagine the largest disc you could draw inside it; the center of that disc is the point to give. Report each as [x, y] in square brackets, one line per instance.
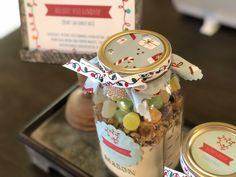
[104, 76]
[97, 74]
[168, 172]
[109, 78]
[185, 69]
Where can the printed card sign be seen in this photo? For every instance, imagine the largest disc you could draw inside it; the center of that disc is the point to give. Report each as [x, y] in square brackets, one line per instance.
[76, 26]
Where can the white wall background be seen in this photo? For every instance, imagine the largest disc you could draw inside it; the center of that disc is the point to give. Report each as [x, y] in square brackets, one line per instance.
[9, 17]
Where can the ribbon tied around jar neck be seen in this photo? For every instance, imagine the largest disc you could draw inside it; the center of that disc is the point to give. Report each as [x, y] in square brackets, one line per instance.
[97, 74]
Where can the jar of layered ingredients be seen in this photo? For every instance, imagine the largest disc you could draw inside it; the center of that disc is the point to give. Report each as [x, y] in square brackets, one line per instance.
[138, 102]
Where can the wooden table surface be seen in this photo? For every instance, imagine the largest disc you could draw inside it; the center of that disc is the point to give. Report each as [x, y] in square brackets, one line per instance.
[27, 88]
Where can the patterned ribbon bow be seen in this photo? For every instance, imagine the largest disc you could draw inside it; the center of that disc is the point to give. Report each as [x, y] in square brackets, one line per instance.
[99, 75]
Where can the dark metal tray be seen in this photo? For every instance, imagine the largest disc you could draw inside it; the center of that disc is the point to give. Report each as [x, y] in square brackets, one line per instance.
[53, 145]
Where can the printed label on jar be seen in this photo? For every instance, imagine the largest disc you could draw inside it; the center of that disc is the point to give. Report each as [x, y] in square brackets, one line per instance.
[214, 152]
[118, 146]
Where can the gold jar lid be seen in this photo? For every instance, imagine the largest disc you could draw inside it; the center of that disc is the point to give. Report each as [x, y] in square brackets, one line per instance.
[209, 150]
[135, 51]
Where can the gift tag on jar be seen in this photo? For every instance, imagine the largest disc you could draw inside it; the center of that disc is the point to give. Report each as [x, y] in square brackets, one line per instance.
[117, 146]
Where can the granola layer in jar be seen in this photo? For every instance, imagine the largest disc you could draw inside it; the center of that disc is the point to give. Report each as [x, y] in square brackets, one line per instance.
[112, 105]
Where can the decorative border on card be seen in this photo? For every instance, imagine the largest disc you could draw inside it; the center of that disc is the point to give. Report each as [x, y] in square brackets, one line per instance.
[32, 23]
[126, 11]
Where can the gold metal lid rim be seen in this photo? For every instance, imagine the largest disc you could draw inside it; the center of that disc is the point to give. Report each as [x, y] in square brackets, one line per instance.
[192, 135]
[152, 67]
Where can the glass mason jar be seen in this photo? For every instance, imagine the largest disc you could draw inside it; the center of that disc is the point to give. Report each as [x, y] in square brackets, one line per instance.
[159, 137]
[138, 102]
[149, 119]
